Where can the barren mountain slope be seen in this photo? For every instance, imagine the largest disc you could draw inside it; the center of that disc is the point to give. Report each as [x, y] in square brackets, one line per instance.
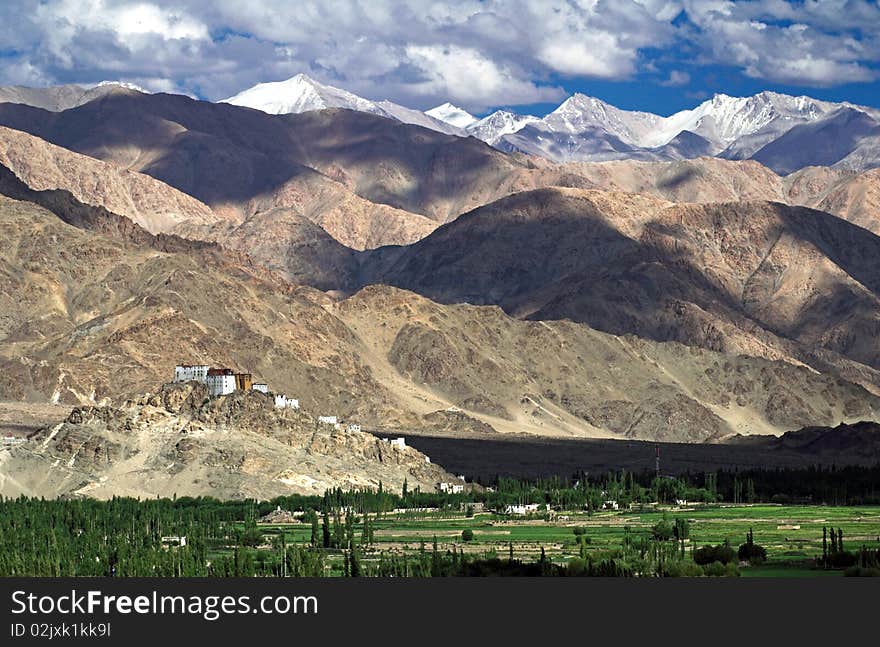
[180, 442]
[90, 319]
[153, 205]
[746, 278]
[236, 160]
[854, 196]
[557, 376]
[232, 158]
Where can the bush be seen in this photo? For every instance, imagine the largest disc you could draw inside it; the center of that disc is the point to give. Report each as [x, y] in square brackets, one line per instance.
[717, 569]
[683, 568]
[578, 531]
[663, 531]
[722, 553]
[467, 534]
[752, 553]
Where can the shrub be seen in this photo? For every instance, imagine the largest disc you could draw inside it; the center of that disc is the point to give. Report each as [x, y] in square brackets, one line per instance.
[663, 530]
[722, 553]
[683, 568]
[752, 553]
[467, 534]
[578, 531]
[717, 569]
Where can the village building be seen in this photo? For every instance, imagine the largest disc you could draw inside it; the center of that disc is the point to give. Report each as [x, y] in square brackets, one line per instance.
[354, 427]
[280, 401]
[191, 372]
[220, 381]
[610, 505]
[525, 508]
[261, 387]
[450, 488]
[400, 443]
[244, 381]
[174, 540]
[328, 420]
[292, 403]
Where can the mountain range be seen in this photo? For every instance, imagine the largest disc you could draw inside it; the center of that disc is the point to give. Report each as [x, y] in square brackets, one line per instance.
[410, 278]
[783, 132]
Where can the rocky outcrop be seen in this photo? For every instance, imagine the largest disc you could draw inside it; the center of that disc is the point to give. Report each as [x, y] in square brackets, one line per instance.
[180, 441]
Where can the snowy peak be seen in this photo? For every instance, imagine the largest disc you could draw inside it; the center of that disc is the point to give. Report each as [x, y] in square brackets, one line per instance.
[110, 85]
[452, 115]
[500, 123]
[580, 114]
[297, 94]
[724, 119]
[302, 93]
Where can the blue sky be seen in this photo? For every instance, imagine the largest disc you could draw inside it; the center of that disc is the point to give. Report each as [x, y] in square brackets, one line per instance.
[528, 55]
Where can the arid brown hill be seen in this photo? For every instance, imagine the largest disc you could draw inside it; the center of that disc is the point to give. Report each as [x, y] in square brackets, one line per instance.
[91, 319]
[240, 161]
[757, 278]
[179, 441]
[854, 196]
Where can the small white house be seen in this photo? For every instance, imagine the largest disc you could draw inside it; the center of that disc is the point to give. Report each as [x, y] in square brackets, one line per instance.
[259, 386]
[450, 488]
[220, 381]
[524, 508]
[174, 540]
[280, 401]
[328, 420]
[189, 373]
[398, 442]
[610, 505]
[354, 427]
[292, 403]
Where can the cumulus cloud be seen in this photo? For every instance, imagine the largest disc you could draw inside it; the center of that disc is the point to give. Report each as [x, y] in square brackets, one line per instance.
[812, 43]
[476, 53]
[676, 78]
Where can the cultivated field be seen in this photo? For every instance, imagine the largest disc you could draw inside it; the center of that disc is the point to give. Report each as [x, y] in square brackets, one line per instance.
[792, 535]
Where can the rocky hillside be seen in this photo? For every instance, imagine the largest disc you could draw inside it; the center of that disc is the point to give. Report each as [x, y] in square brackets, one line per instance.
[757, 278]
[88, 318]
[152, 204]
[181, 442]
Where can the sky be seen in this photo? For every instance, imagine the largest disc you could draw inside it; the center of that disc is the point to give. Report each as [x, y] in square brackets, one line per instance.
[527, 55]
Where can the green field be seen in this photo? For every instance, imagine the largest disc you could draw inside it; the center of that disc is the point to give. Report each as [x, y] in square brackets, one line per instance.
[792, 535]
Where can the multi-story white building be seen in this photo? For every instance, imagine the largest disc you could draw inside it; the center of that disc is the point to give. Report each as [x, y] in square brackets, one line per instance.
[354, 427]
[220, 381]
[450, 488]
[188, 373]
[280, 401]
[259, 386]
[328, 420]
[292, 403]
[399, 442]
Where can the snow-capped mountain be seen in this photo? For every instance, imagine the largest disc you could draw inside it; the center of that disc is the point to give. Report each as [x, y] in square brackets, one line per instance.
[585, 128]
[500, 123]
[452, 115]
[588, 129]
[301, 93]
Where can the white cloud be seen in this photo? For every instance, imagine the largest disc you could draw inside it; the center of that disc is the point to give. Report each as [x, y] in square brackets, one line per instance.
[676, 78]
[813, 43]
[476, 53]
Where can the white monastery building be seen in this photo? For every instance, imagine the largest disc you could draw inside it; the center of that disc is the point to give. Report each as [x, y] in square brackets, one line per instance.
[220, 381]
[188, 373]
